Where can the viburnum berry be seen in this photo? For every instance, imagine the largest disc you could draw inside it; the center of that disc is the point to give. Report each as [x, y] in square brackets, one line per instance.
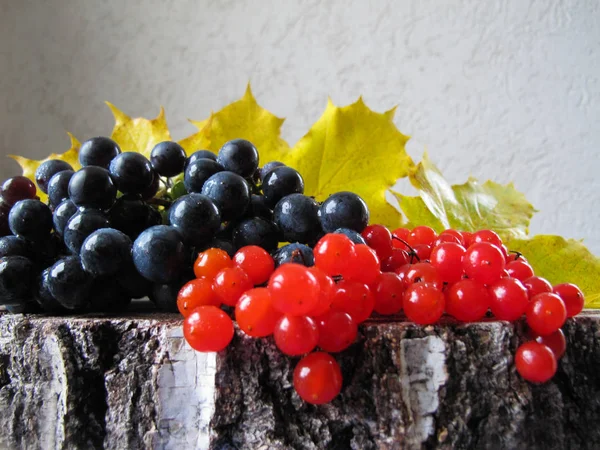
[379, 239]
[572, 296]
[535, 362]
[337, 331]
[484, 262]
[537, 285]
[422, 251]
[423, 273]
[447, 258]
[457, 234]
[398, 259]
[318, 378]
[210, 262]
[467, 300]
[509, 299]
[230, 283]
[208, 329]
[467, 238]
[445, 237]
[255, 314]
[296, 335]
[334, 254]
[389, 292]
[546, 313]
[196, 293]
[423, 303]
[294, 289]
[354, 298]
[256, 262]
[421, 235]
[365, 268]
[554, 341]
[399, 235]
[487, 236]
[327, 289]
[519, 269]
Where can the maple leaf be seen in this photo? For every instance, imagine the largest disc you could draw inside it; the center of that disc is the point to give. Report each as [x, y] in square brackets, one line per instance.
[139, 134]
[199, 140]
[29, 166]
[561, 260]
[470, 206]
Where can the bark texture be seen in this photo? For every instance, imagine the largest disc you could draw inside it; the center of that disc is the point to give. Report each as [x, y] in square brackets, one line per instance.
[132, 382]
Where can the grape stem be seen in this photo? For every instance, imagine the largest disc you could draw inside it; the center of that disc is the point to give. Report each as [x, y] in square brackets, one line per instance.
[519, 254]
[411, 252]
[159, 202]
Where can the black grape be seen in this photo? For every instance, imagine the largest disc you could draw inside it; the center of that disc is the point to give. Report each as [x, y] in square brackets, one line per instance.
[256, 231]
[344, 210]
[106, 295]
[168, 158]
[239, 156]
[132, 173]
[164, 296]
[353, 235]
[159, 254]
[105, 252]
[92, 187]
[81, 225]
[229, 192]
[294, 253]
[131, 215]
[297, 216]
[47, 170]
[279, 182]
[17, 188]
[200, 154]
[218, 243]
[31, 220]
[17, 278]
[58, 187]
[196, 218]
[98, 151]
[151, 190]
[197, 172]
[268, 167]
[15, 246]
[45, 298]
[62, 214]
[133, 283]
[258, 208]
[69, 284]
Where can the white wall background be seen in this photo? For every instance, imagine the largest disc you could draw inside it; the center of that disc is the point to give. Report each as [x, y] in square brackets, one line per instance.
[507, 90]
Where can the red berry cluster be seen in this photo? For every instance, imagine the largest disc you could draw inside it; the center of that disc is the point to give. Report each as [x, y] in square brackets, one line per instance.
[465, 275]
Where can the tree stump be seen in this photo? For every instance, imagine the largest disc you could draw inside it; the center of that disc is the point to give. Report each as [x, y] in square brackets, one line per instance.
[131, 381]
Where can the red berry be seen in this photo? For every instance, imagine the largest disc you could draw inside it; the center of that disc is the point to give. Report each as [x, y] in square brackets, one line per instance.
[467, 300]
[255, 314]
[572, 296]
[421, 235]
[398, 259]
[487, 236]
[444, 238]
[389, 292]
[327, 289]
[210, 262]
[537, 285]
[296, 335]
[422, 251]
[535, 362]
[457, 234]
[423, 304]
[318, 378]
[294, 289]
[379, 239]
[519, 269]
[208, 329]
[484, 262]
[546, 313]
[423, 273]
[555, 341]
[354, 298]
[230, 283]
[509, 299]
[334, 254]
[366, 268]
[256, 262]
[399, 235]
[196, 293]
[467, 238]
[337, 331]
[447, 258]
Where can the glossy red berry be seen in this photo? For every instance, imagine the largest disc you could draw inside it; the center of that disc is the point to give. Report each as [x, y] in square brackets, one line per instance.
[334, 254]
[509, 299]
[327, 289]
[399, 235]
[421, 235]
[366, 266]
[467, 300]
[354, 298]
[519, 269]
[296, 335]
[318, 378]
[256, 262]
[457, 234]
[572, 296]
[379, 239]
[555, 341]
[255, 314]
[537, 285]
[447, 258]
[484, 262]
[208, 329]
[487, 236]
[398, 259]
[337, 331]
[423, 304]
[389, 293]
[210, 262]
[196, 293]
[535, 362]
[546, 313]
[230, 283]
[294, 289]
[422, 273]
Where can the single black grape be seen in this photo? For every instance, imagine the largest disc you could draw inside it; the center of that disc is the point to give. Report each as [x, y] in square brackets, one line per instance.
[98, 151]
[197, 172]
[15, 246]
[69, 284]
[17, 188]
[218, 243]
[229, 192]
[31, 220]
[344, 210]
[4, 212]
[294, 253]
[256, 231]
[151, 190]
[58, 187]
[49, 251]
[239, 156]
[196, 218]
[92, 187]
[132, 173]
[168, 158]
[131, 215]
[159, 254]
[268, 167]
[81, 225]
[200, 154]
[45, 298]
[164, 296]
[106, 295]
[353, 235]
[105, 252]
[47, 170]
[17, 279]
[258, 208]
[297, 217]
[133, 284]
[62, 214]
[281, 181]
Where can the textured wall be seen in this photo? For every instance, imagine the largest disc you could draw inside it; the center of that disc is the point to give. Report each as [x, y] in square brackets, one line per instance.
[508, 90]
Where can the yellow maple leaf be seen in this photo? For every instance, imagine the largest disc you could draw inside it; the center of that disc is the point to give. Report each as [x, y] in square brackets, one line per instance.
[470, 206]
[561, 260]
[138, 134]
[29, 166]
[353, 148]
[199, 140]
